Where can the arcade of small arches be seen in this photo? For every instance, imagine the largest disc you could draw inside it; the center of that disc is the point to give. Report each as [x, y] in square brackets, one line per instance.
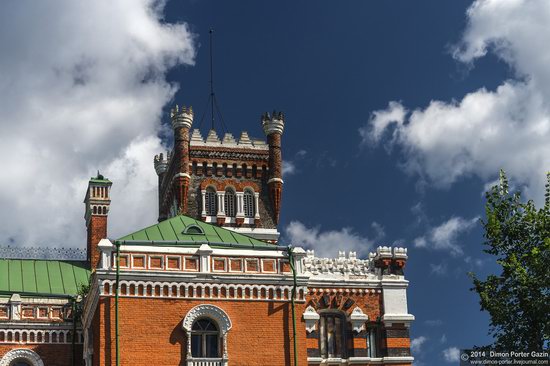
[38, 336]
[99, 209]
[203, 291]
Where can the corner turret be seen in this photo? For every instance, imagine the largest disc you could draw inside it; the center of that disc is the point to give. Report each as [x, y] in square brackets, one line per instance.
[273, 126]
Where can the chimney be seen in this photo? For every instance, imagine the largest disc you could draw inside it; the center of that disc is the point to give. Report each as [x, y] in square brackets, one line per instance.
[97, 203]
[273, 128]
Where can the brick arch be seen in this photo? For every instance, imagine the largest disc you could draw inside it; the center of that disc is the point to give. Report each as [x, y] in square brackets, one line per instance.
[212, 182]
[221, 185]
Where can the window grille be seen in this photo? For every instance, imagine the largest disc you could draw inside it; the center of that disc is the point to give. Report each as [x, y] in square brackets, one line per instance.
[249, 204]
[211, 206]
[230, 203]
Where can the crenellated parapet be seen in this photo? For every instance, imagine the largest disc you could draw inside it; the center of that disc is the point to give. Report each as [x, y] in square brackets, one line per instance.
[161, 163]
[390, 260]
[384, 261]
[273, 123]
[181, 117]
[343, 265]
[228, 141]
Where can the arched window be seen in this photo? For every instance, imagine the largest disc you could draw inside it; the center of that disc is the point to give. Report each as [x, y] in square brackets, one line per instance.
[205, 339]
[20, 363]
[211, 206]
[230, 203]
[331, 335]
[21, 357]
[249, 210]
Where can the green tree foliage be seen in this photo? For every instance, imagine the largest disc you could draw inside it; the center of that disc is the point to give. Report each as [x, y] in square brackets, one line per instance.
[518, 300]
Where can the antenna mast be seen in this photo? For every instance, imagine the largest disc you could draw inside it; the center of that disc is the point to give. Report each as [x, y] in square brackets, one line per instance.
[212, 96]
[214, 108]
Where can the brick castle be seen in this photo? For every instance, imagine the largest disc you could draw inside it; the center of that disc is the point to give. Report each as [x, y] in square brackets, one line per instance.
[209, 284]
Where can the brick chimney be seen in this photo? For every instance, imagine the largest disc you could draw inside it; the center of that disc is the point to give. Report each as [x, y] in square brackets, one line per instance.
[274, 125]
[97, 203]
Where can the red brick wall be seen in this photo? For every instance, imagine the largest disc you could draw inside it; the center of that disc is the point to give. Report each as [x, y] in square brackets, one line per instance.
[97, 230]
[151, 332]
[51, 354]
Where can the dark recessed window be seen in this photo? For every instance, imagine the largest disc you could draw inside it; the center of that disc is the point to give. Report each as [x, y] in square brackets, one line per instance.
[331, 335]
[193, 230]
[211, 206]
[205, 339]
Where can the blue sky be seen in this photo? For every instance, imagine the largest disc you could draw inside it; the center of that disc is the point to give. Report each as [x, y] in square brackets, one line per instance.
[399, 114]
[329, 66]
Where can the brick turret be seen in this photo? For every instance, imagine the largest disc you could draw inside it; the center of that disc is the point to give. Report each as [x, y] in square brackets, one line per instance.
[182, 120]
[161, 167]
[97, 203]
[273, 128]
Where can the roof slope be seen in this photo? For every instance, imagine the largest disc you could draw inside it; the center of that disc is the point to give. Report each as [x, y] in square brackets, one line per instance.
[47, 277]
[180, 228]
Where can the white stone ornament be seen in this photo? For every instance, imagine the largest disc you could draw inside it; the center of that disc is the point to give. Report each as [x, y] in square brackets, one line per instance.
[311, 317]
[26, 355]
[358, 319]
[207, 311]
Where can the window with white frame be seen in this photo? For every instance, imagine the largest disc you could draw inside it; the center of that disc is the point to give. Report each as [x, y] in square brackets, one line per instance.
[210, 198]
[205, 339]
[331, 335]
[372, 342]
[248, 201]
[230, 202]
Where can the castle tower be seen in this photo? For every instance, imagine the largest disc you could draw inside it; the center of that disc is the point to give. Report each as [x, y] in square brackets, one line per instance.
[97, 203]
[234, 183]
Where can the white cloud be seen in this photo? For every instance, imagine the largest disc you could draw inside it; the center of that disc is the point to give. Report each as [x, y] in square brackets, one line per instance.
[433, 322]
[443, 338]
[379, 230]
[487, 129]
[289, 168]
[451, 354]
[439, 269]
[327, 243]
[444, 237]
[82, 88]
[416, 344]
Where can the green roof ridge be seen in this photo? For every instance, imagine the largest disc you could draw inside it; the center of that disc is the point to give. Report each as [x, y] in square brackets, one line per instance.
[212, 233]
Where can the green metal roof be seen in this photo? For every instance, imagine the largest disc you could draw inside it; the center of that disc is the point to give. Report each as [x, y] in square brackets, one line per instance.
[174, 229]
[44, 277]
[103, 181]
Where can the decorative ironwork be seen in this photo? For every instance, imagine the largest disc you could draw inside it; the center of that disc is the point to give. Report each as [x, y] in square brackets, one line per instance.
[9, 252]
